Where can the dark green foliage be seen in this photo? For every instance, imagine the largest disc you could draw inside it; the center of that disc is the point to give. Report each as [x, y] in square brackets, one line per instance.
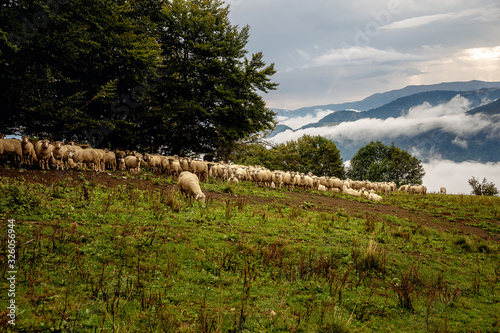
[483, 188]
[377, 162]
[308, 154]
[131, 74]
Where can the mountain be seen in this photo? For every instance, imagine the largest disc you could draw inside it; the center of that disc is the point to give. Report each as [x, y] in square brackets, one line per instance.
[458, 126]
[380, 99]
[401, 105]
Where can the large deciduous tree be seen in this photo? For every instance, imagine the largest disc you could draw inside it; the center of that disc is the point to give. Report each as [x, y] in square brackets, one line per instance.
[171, 74]
[209, 95]
[64, 62]
[378, 162]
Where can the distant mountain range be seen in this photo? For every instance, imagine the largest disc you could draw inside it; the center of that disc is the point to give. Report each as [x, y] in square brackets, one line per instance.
[458, 121]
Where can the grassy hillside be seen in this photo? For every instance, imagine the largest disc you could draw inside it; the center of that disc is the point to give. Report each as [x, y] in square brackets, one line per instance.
[103, 253]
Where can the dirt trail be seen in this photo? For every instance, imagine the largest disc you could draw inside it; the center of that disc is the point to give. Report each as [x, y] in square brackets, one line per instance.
[293, 199]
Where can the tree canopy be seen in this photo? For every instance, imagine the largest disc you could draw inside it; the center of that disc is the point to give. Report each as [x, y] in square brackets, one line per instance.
[172, 74]
[314, 154]
[377, 162]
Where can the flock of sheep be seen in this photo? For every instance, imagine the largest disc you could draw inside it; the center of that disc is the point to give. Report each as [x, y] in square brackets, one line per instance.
[58, 155]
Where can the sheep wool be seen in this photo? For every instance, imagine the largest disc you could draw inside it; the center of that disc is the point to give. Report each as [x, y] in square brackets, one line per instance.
[189, 185]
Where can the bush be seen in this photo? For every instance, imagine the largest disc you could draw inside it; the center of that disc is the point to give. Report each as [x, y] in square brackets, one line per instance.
[483, 188]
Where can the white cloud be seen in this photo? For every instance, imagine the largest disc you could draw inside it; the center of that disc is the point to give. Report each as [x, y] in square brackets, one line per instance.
[297, 122]
[414, 22]
[451, 117]
[454, 176]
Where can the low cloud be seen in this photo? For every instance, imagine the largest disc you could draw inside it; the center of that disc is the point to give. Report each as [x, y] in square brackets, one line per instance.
[450, 117]
[454, 176]
[298, 122]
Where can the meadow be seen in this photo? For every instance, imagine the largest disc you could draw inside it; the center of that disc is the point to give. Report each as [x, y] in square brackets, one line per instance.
[121, 253]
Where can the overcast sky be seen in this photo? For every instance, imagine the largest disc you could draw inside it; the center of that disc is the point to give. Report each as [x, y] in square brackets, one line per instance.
[334, 51]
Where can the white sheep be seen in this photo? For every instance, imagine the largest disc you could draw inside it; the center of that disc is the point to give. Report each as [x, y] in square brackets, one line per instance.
[110, 159]
[349, 191]
[121, 163]
[374, 197]
[189, 185]
[419, 189]
[153, 162]
[442, 190]
[199, 168]
[86, 157]
[12, 147]
[133, 163]
[28, 150]
[43, 150]
[60, 153]
[174, 167]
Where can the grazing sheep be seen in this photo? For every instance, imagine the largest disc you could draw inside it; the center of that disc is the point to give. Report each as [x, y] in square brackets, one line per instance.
[60, 154]
[12, 147]
[442, 190]
[403, 188]
[133, 163]
[322, 188]
[85, 157]
[43, 150]
[233, 180]
[419, 189]
[189, 185]
[28, 151]
[110, 160]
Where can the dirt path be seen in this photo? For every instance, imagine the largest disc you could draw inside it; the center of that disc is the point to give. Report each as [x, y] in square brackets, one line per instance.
[293, 199]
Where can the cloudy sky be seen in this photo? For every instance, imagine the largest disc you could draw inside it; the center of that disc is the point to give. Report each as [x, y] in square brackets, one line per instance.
[333, 51]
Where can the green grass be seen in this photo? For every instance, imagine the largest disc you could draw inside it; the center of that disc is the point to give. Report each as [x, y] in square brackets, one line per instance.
[93, 258]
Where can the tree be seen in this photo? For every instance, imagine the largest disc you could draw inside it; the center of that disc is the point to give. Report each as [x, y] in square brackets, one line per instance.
[65, 62]
[141, 74]
[209, 97]
[308, 154]
[377, 162]
[483, 188]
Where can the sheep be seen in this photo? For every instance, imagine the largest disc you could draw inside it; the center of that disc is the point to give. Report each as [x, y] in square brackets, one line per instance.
[349, 191]
[43, 150]
[86, 157]
[110, 159]
[189, 185]
[199, 168]
[28, 150]
[374, 197]
[442, 190]
[335, 183]
[403, 188]
[358, 184]
[153, 162]
[420, 189]
[102, 155]
[262, 177]
[306, 181]
[385, 188]
[133, 163]
[233, 180]
[322, 188]
[60, 154]
[121, 163]
[288, 180]
[173, 167]
[12, 147]
[277, 178]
